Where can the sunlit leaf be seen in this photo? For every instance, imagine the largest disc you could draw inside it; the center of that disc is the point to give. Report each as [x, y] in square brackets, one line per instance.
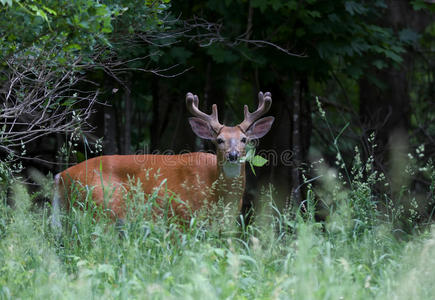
[258, 161]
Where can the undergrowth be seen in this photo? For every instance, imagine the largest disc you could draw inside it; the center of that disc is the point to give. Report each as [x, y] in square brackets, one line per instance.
[354, 254]
[374, 243]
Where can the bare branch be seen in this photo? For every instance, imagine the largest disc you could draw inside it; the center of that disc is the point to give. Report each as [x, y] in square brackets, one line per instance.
[38, 100]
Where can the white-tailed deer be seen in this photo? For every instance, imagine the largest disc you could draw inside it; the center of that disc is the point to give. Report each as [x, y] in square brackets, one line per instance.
[196, 178]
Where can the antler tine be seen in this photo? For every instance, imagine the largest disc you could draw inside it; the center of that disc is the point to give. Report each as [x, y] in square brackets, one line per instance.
[264, 103]
[192, 102]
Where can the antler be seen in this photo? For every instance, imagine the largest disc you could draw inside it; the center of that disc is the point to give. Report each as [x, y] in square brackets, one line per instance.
[264, 103]
[212, 119]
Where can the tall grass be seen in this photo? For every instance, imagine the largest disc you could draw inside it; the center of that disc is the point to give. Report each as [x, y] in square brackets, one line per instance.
[355, 254]
[368, 247]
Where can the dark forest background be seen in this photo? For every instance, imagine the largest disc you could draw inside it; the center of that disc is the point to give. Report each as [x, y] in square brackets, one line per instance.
[84, 77]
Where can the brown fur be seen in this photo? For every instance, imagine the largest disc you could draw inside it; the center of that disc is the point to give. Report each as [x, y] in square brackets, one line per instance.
[193, 177]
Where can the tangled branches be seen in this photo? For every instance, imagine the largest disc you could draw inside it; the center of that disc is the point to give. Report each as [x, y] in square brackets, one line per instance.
[38, 98]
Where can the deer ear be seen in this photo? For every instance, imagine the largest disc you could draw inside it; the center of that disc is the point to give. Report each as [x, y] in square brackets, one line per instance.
[201, 128]
[260, 128]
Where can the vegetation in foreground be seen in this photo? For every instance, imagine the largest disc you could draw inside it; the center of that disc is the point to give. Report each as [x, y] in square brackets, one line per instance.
[360, 252]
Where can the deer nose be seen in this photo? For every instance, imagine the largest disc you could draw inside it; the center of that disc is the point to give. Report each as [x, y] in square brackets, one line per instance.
[233, 155]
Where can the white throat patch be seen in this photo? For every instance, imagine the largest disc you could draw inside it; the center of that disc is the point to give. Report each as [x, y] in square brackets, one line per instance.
[231, 170]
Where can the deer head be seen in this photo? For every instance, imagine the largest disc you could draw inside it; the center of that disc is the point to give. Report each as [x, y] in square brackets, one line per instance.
[230, 141]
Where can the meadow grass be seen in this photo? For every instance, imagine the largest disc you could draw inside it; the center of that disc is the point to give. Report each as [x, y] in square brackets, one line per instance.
[371, 244]
[279, 256]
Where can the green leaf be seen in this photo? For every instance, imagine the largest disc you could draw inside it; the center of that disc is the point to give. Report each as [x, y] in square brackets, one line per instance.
[408, 36]
[80, 156]
[418, 5]
[393, 56]
[49, 10]
[380, 64]
[72, 47]
[354, 8]
[107, 26]
[249, 156]
[84, 24]
[221, 54]
[101, 11]
[253, 160]
[42, 14]
[258, 161]
[8, 2]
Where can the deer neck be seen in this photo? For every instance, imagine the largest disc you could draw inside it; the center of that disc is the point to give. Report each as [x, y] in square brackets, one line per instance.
[229, 171]
[231, 181]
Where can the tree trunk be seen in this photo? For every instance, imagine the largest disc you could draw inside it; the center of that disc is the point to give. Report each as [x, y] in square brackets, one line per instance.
[155, 125]
[276, 147]
[110, 137]
[297, 146]
[161, 114]
[385, 110]
[214, 93]
[126, 149]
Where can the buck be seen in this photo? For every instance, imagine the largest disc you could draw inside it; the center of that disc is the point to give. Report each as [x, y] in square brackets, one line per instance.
[195, 178]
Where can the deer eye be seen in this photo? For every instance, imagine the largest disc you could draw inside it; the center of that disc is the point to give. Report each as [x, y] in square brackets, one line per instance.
[243, 140]
[219, 141]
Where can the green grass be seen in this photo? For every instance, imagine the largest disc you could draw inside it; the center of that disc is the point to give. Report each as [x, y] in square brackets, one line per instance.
[278, 257]
[373, 244]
